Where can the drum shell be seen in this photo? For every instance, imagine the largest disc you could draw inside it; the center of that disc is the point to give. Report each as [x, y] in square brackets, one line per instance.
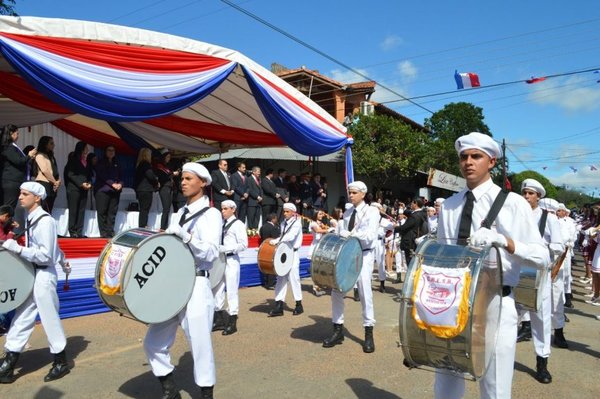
[336, 262]
[275, 259]
[149, 293]
[528, 292]
[17, 277]
[466, 353]
[218, 270]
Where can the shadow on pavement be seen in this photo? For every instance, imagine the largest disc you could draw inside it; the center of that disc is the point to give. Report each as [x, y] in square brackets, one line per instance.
[364, 389]
[47, 392]
[321, 329]
[34, 360]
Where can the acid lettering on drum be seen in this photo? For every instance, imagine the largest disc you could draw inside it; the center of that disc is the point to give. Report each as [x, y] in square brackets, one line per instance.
[8, 295]
[150, 266]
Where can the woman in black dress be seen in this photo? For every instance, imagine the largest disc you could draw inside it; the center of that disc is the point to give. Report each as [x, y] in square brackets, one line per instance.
[78, 184]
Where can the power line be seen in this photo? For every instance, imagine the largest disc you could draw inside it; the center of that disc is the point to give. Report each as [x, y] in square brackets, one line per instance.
[323, 54]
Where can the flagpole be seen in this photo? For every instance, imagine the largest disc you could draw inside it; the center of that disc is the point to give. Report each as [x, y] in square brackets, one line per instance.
[504, 164]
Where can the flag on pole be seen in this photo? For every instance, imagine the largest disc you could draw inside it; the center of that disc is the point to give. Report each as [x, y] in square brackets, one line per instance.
[466, 80]
[574, 169]
[535, 80]
[592, 167]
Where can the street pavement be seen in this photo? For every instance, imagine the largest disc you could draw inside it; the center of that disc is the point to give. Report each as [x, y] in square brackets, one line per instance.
[282, 357]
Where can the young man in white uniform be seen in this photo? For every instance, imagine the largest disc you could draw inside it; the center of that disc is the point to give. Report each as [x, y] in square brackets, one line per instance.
[235, 240]
[199, 226]
[291, 232]
[569, 229]
[43, 252]
[540, 322]
[360, 221]
[514, 232]
[385, 225]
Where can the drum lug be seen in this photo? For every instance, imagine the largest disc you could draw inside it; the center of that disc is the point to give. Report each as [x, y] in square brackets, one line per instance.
[467, 355]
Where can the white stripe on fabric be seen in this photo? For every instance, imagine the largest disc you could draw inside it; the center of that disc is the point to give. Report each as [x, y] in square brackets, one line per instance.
[114, 81]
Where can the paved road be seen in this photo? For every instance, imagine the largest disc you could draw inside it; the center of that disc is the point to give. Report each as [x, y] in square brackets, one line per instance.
[283, 358]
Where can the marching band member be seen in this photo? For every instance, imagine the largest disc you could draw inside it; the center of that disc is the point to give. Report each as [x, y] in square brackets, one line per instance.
[42, 251]
[360, 221]
[540, 323]
[570, 233]
[291, 232]
[235, 240]
[460, 219]
[385, 225]
[199, 226]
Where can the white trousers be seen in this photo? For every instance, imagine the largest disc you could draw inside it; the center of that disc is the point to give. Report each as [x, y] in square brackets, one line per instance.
[541, 322]
[43, 300]
[231, 281]
[293, 277]
[497, 381]
[365, 291]
[400, 262]
[558, 300]
[567, 277]
[379, 254]
[196, 320]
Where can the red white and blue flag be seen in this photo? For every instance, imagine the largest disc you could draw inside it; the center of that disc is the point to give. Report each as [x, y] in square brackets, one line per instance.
[466, 80]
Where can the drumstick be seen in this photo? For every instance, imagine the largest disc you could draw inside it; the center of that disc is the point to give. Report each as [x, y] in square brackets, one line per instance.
[66, 285]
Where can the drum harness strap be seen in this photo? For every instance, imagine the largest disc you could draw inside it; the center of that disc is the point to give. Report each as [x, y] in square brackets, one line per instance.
[288, 229]
[26, 232]
[194, 219]
[489, 220]
[543, 220]
[225, 230]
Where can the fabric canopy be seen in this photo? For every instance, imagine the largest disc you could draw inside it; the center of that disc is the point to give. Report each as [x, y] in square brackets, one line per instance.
[106, 82]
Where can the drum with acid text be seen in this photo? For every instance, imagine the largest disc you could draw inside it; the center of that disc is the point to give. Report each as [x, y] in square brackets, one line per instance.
[16, 280]
[336, 262]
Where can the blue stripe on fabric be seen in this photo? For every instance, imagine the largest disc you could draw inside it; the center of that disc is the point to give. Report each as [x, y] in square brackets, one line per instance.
[297, 135]
[133, 141]
[103, 106]
[459, 81]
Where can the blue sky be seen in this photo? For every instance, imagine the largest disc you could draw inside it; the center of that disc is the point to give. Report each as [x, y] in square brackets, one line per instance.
[414, 48]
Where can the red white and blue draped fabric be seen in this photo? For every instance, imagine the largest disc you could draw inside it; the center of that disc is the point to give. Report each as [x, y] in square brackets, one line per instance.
[166, 90]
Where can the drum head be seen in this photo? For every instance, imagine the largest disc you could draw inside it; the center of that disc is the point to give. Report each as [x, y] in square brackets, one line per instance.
[336, 262]
[16, 280]
[218, 270]
[283, 259]
[159, 279]
[348, 264]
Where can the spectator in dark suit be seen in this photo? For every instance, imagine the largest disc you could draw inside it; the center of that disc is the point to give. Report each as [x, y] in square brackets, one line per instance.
[269, 230]
[78, 184]
[281, 179]
[239, 182]
[178, 197]
[14, 165]
[165, 180]
[318, 192]
[145, 183]
[411, 229]
[269, 202]
[293, 187]
[109, 183]
[255, 198]
[222, 188]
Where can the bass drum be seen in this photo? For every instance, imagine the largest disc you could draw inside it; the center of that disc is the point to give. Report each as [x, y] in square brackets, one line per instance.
[275, 259]
[470, 351]
[16, 280]
[218, 270]
[145, 275]
[528, 293]
[336, 262]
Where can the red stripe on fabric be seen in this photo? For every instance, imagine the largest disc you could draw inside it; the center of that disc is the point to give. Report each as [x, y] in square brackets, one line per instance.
[19, 90]
[298, 103]
[122, 56]
[474, 78]
[82, 248]
[93, 137]
[214, 132]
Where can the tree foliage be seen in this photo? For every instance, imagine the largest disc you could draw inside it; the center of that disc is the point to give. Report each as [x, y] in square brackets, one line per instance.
[385, 148]
[7, 7]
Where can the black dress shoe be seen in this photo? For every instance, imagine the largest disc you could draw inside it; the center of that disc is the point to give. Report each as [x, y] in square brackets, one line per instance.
[59, 369]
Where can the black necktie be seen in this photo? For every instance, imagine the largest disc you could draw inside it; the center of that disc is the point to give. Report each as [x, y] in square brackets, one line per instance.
[464, 228]
[183, 215]
[352, 220]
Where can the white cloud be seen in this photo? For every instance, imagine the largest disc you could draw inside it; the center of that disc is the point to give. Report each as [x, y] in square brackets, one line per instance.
[584, 179]
[407, 70]
[568, 94]
[390, 42]
[348, 76]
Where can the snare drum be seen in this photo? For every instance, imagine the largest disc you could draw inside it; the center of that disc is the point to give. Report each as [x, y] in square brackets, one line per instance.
[336, 262]
[528, 293]
[275, 259]
[16, 280]
[468, 352]
[218, 270]
[145, 275]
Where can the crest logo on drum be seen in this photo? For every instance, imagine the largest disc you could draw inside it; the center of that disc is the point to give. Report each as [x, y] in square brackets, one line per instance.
[438, 292]
[8, 295]
[150, 266]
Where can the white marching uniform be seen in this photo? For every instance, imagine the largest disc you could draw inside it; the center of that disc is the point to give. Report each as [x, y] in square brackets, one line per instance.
[515, 220]
[365, 229]
[541, 321]
[569, 230]
[197, 317]
[291, 232]
[561, 281]
[42, 250]
[385, 225]
[235, 240]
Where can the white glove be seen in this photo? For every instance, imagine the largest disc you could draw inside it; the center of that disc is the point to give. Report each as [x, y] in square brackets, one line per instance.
[66, 267]
[345, 233]
[179, 232]
[585, 242]
[222, 249]
[11, 245]
[485, 236]
[418, 240]
[274, 242]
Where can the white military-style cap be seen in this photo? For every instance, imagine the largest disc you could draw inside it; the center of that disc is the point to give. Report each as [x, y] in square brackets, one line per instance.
[358, 186]
[289, 206]
[478, 141]
[562, 207]
[534, 185]
[549, 204]
[198, 169]
[228, 204]
[34, 188]
[440, 200]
